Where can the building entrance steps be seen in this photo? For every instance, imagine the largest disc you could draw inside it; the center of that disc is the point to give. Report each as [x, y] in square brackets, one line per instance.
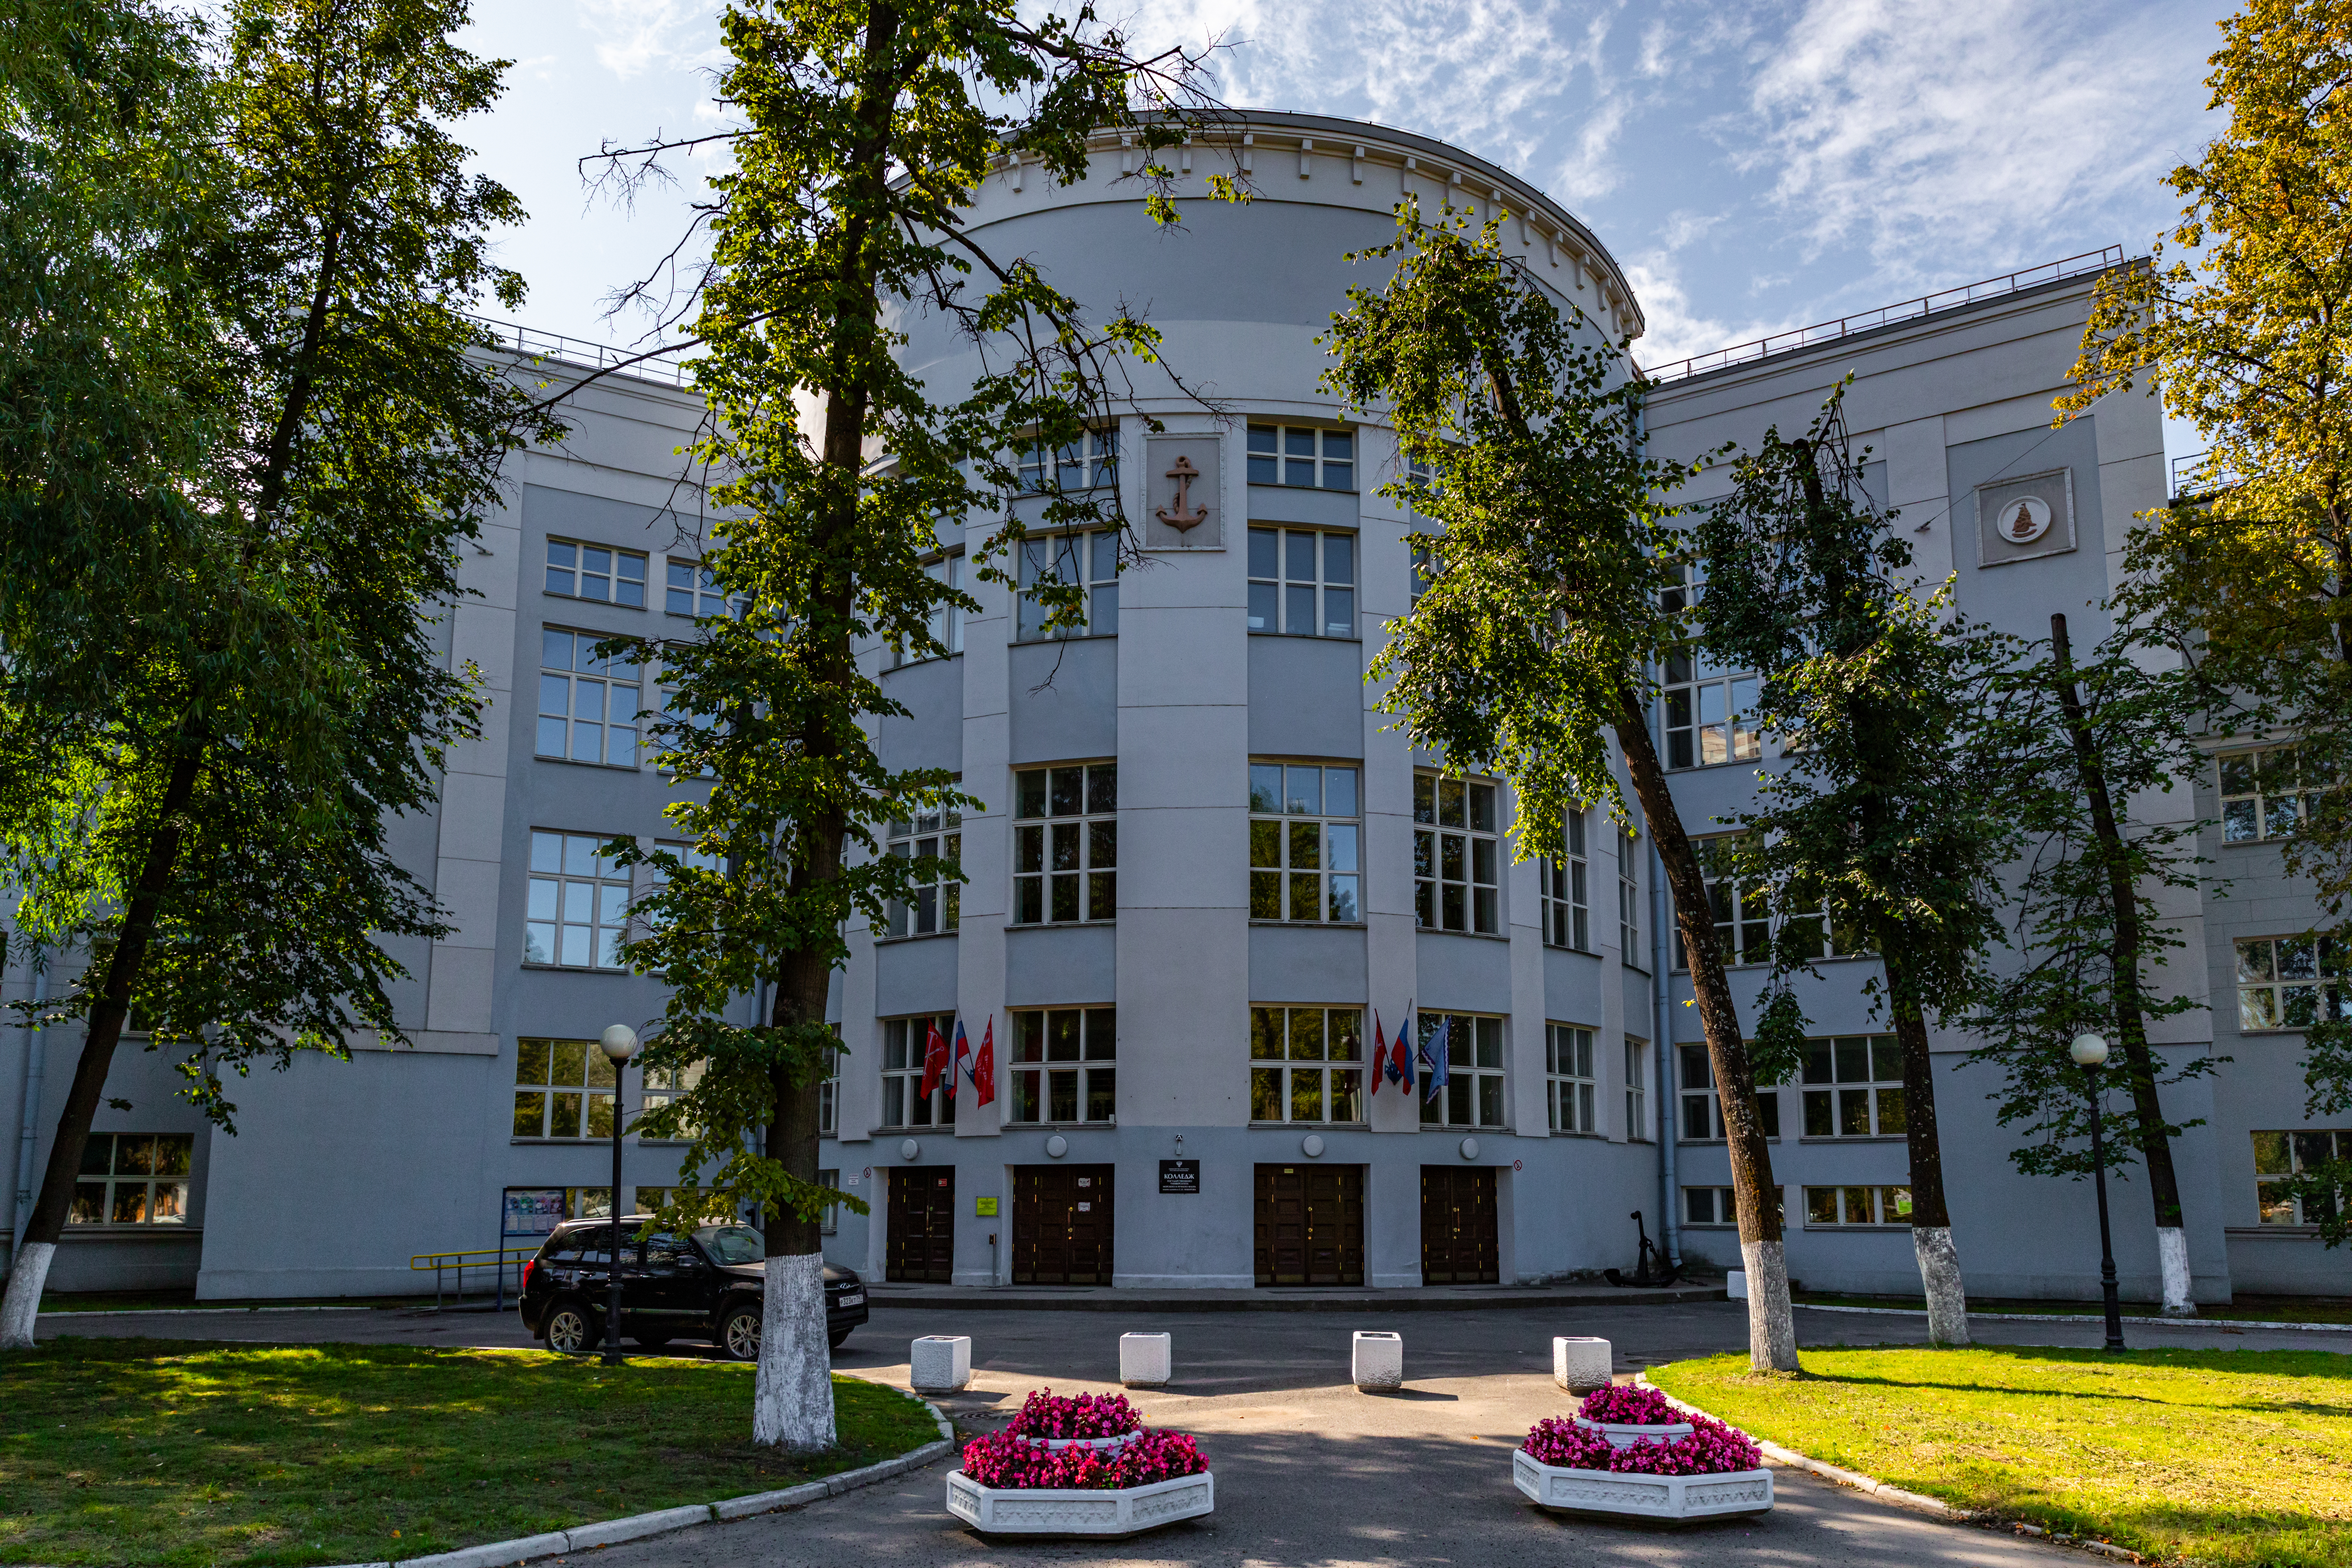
[1410, 1298]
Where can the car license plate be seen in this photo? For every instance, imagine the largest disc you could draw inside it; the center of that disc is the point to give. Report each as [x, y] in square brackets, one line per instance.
[851, 1299]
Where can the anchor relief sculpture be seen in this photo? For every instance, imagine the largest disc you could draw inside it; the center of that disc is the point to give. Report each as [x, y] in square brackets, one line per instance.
[1181, 519]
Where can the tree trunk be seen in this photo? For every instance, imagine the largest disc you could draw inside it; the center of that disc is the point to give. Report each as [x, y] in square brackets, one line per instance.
[1771, 1321]
[2131, 1022]
[37, 1246]
[1931, 1219]
[792, 1402]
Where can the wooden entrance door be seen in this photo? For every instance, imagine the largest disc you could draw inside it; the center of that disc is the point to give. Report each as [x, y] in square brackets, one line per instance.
[1310, 1225]
[1061, 1225]
[920, 1236]
[1458, 1226]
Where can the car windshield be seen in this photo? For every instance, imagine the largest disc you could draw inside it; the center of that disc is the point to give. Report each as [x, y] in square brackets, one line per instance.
[730, 1243]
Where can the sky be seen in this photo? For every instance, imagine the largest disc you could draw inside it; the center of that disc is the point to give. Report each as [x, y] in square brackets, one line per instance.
[1753, 167]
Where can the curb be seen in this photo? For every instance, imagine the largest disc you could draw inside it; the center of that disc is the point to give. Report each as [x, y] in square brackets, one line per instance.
[2088, 1318]
[637, 1527]
[1372, 1301]
[70, 1316]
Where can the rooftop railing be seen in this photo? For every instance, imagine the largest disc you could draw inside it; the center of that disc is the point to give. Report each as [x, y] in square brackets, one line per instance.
[665, 366]
[1886, 315]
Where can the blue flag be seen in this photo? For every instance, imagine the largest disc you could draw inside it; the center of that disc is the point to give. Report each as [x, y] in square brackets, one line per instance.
[1433, 1054]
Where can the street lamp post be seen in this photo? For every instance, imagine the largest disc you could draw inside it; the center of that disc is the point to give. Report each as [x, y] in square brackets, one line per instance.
[2090, 1052]
[620, 1043]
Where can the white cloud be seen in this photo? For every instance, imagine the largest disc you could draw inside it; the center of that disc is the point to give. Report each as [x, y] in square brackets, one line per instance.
[637, 37]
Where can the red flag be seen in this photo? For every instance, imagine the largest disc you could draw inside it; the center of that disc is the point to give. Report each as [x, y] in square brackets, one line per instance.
[1380, 1051]
[935, 1059]
[984, 1066]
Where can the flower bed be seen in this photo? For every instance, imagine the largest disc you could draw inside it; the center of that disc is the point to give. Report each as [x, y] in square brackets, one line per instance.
[1080, 1466]
[1710, 1470]
[1005, 1460]
[1630, 1416]
[1088, 1421]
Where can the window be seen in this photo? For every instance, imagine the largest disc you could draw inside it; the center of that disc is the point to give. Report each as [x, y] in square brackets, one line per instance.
[587, 706]
[1089, 560]
[1567, 1068]
[1744, 917]
[1290, 1078]
[946, 619]
[579, 907]
[591, 572]
[1637, 1090]
[1567, 919]
[1703, 1108]
[1092, 460]
[693, 590]
[830, 1224]
[564, 1088]
[1302, 457]
[904, 1043]
[932, 835]
[1868, 1097]
[1302, 584]
[1857, 1206]
[1304, 841]
[1472, 1047]
[1066, 844]
[2289, 982]
[2285, 1154]
[1047, 1090]
[663, 1085]
[132, 1178]
[1629, 903]
[1710, 710]
[1456, 859]
[2268, 794]
[1715, 1206]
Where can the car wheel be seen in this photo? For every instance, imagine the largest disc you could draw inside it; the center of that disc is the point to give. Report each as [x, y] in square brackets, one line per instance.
[841, 1339]
[571, 1328]
[739, 1333]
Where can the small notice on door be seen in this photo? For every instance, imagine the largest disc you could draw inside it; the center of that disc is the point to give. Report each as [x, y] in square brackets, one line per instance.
[1180, 1176]
[1086, 1208]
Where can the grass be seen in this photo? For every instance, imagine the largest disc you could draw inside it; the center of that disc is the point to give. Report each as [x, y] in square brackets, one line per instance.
[2242, 1458]
[2265, 1308]
[171, 1452]
[185, 1301]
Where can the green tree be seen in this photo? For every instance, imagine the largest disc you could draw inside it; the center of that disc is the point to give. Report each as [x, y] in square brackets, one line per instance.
[866, 130]
[2244, 327]
[2086, 738]
[1545, 618]
[1888, 814]
[220, 679]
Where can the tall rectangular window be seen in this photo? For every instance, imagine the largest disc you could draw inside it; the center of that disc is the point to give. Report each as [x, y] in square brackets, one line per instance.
[1637, 1090]
[946, 620]
[904, 1043]
[1457, 856]
[1710, 711]
[2289, 982]
[1306, 837]
[1088, 561]
[580, 570]
[1081, 465]
[587, 706]
[1065, 1065]
[1567, 917]
[1570, 1087]
[692, 589]
[1302, 584]
[2279, 1155]
[1473, 1047]
[1307, 1064]
[1702, 1108]
[1302, 457]
[132, 1178]
[2268, 794]
[1853, 1087]
[1066, 844]
[564, 1088]
[578, 907]
[1629, 903]
[931, 835]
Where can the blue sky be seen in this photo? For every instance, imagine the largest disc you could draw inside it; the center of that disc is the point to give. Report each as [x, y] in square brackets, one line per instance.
[1754, 167]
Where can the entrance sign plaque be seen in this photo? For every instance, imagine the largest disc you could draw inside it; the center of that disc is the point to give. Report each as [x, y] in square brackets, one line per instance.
[1181, 1176]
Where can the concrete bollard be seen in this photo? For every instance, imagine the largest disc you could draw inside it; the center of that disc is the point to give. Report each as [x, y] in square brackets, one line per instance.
[941, 1363]
[1581, 1365]
[1379, 1359]
[1735, 1284]
[1146, 1361]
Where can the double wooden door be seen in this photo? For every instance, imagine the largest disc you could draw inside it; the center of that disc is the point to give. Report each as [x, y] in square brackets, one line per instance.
[919, 1239]
[1061, 1225]
[1310, 1225]
[1458, 1226]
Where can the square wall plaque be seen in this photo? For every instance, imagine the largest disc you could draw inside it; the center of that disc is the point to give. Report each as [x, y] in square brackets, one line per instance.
[1183, 500]
[2021, 519]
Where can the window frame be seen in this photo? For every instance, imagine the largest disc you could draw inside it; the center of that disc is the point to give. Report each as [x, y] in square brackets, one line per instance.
[1877, 1201]
[1094, 456]
[576, 570]
[1276, 458]
[1276, 844]
[1707, 1100]
[1575, 1087]
[1035, 1072]
[1723, 1202]
[1468, 1077]
[946, 618]
[2325, 983]
[2261, 805]
[114, 1180]
[701, 588]
[1273, 590]
[2294, 1144]
[1431, 832]
[1089, 552]
[1637, 1092]
[896, 1097]
[907, 837]
[583, 669]
[1564, 890]
[1278, 1067]
[1686, 683]
[1831, 1094]
[594, 1082]
[605, 915]
[1038, 878]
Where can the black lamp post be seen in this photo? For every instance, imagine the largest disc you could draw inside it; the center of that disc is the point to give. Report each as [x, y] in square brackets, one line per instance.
[2090, 1052]
[620, 1043]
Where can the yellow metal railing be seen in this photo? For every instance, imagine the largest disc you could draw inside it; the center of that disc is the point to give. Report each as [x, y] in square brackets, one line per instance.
[494, 1259]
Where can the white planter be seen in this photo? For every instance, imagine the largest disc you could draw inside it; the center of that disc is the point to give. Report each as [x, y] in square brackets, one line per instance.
[1671, 1499]
[1624, 1434]
[1146, 1361]
[940, 1364]
[1379, 1359]
[1040, 1511]
[1735, 1285]
[1581, 1365]
[1119, 1440]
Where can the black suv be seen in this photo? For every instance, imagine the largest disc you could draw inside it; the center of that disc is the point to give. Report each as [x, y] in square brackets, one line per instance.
[706, 1286]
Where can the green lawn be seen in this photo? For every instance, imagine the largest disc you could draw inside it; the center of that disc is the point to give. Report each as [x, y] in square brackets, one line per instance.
[171, 1452]
[2264, 1308]
[2224, 1457]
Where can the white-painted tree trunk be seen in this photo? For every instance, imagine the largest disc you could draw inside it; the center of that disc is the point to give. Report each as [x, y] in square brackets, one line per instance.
[1772, 1325]
[1939, 1271]
[791, 1408]
[22, 1303]
[2172, 1251]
